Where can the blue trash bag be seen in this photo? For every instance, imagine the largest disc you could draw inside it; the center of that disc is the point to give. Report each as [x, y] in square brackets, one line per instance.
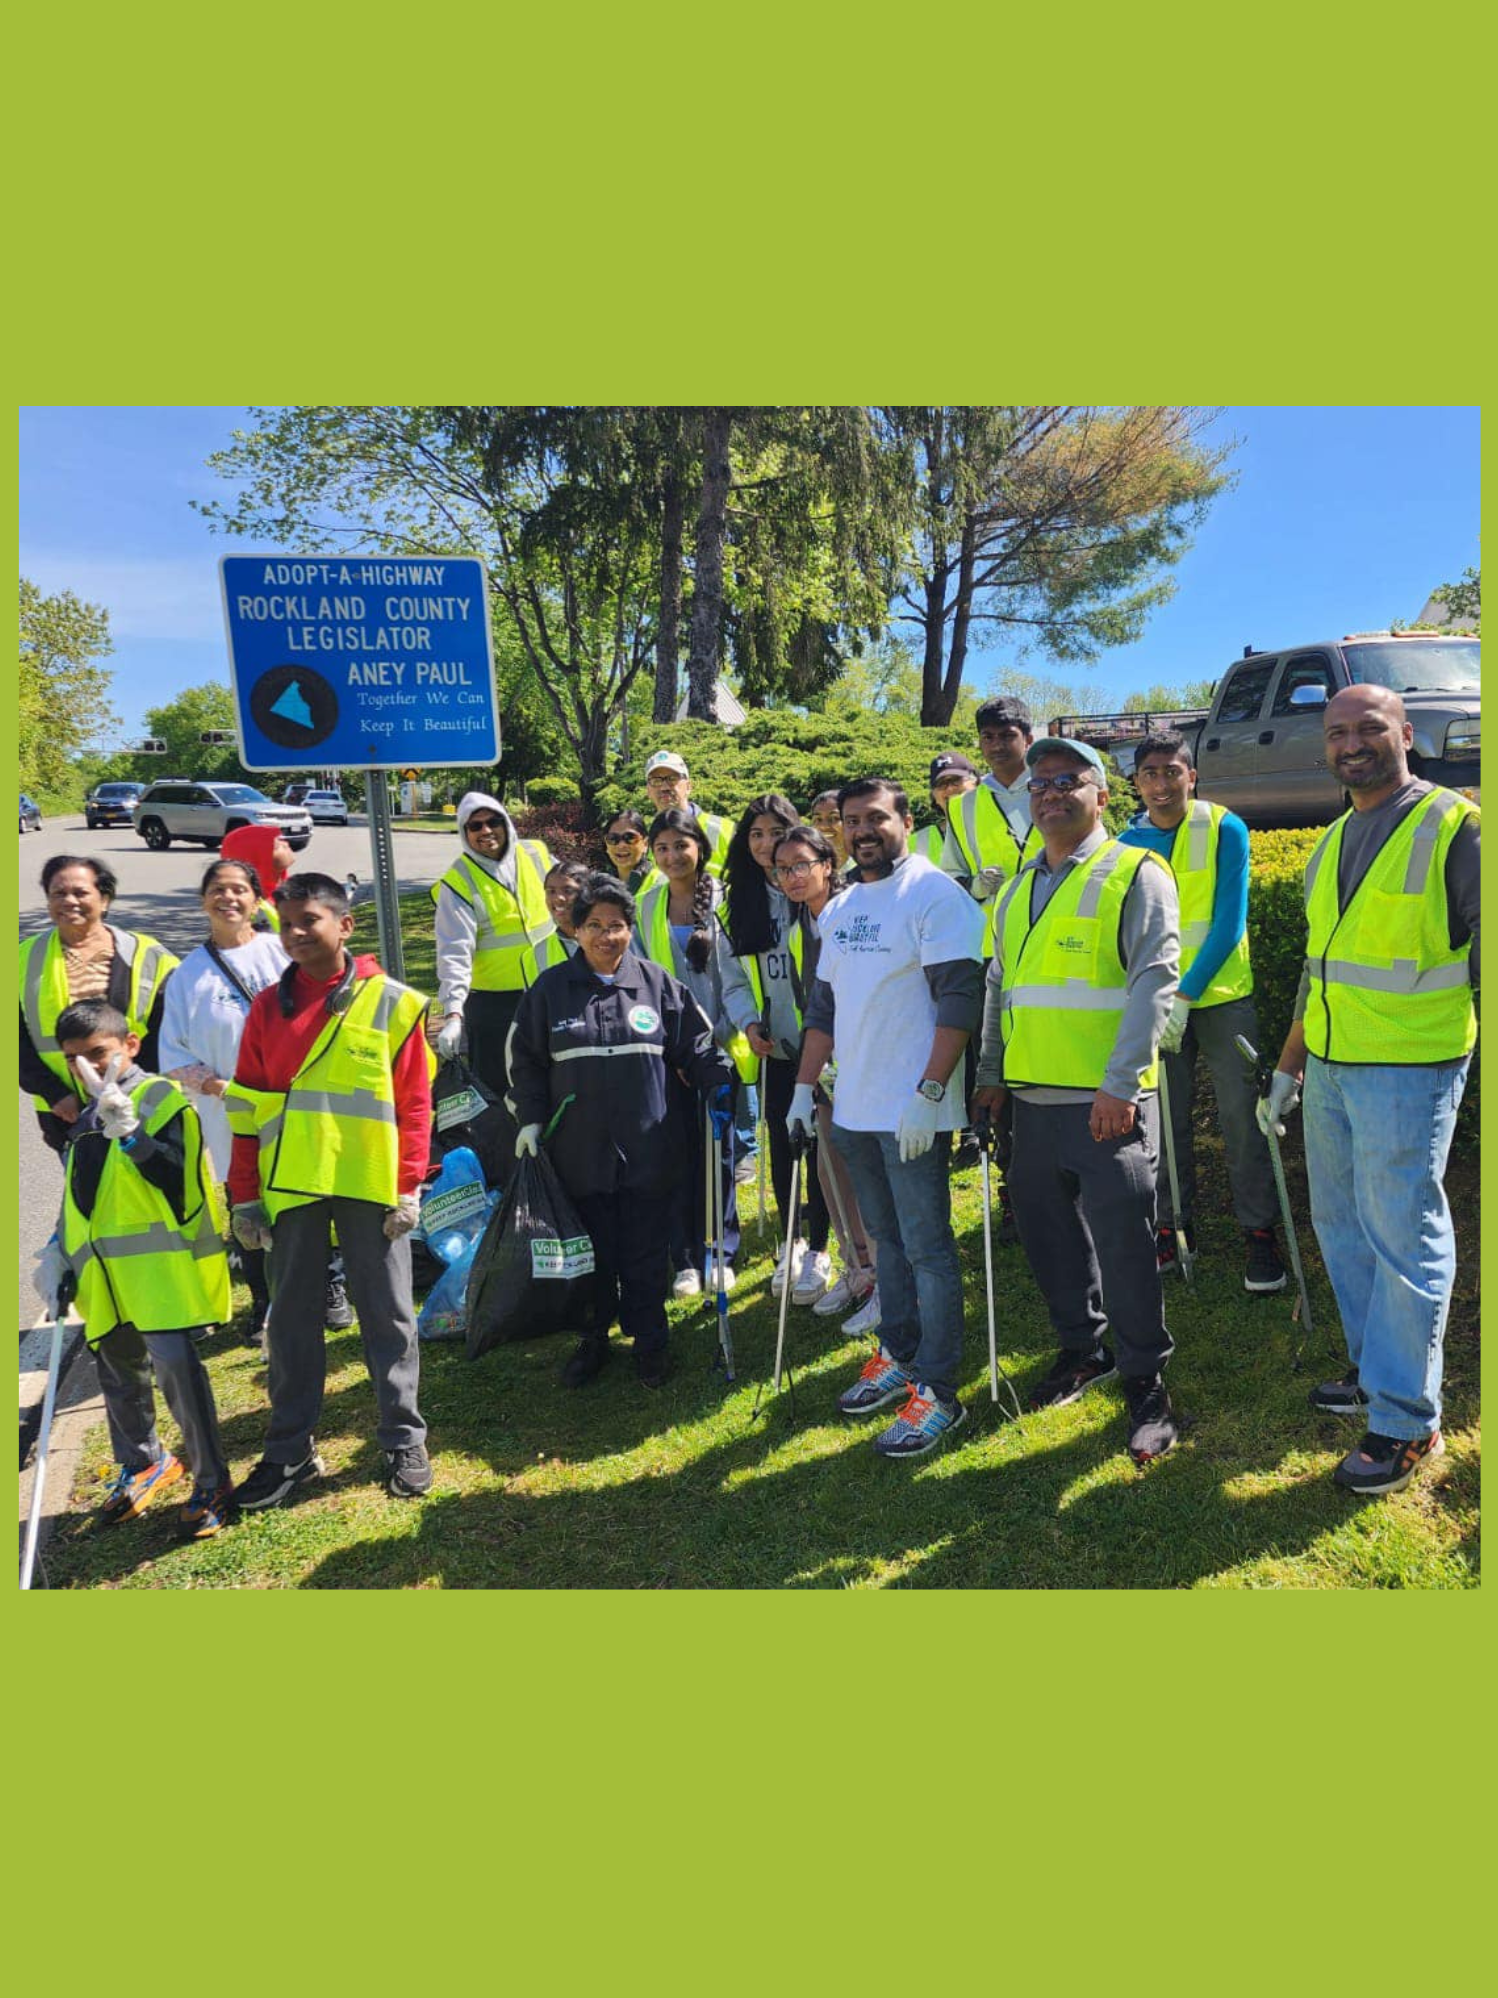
[445, 1315]
[455, 1210]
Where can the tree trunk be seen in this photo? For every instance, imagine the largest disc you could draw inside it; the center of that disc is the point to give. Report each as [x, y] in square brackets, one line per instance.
[961, 619]
[707, 599]
[668, 639]
[934, 625]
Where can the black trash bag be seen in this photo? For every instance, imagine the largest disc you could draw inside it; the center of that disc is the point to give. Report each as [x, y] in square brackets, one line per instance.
[465, 1111]
[533, 1269]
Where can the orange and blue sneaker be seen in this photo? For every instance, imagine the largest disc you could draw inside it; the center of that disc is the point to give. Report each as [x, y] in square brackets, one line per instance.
[921, 1424]
[133, 1491]
[210, 1509]
[1384, 1464]
[881, 1381]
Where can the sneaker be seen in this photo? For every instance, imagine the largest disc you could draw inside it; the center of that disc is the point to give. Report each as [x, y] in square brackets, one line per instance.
[881, 1381]
[710, 1284]
[338, 1313]
[688, 1284]
[812, 1278]
[1167, 1250]
[1383, 1464]
[798, 1255]
[921, 1424]
[588, 1360]
[410, 1471]
[209, 1510]
[652, 1366]
[1152, 1422]
[746, 1171]
[839, 1296]
[1343, 1397]
[1264, 1270]
[865, 1319]
[1071, 1375]
[133, 1491]
[272, 1484]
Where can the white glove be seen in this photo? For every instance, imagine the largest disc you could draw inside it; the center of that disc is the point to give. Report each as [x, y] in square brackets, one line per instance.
[1272, 1110]
[802, 1115]
[917, 1128]
[116, 1113]
[51, 1268]
[529, 1141]
[1175, 1026]
[251, 1225]
[402, 1217]
[449, 1037]
[987, 882]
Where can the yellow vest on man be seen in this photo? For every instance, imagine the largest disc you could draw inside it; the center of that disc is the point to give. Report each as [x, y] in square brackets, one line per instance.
[334, 1133]
[1193, 861]
[135, 1262]
[986, 839]
[1064, 980]
[1386, 986]
[509, 926]
[44, 994]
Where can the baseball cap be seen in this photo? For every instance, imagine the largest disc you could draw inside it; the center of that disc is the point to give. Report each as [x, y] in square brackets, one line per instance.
[951, 763]
[667, 759]
[1065, 745]
[1005, 709]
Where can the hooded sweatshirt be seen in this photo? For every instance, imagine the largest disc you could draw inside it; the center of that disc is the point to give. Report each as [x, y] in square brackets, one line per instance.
[457, 923]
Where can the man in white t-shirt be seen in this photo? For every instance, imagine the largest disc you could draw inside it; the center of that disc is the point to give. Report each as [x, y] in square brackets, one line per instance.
[898, 994]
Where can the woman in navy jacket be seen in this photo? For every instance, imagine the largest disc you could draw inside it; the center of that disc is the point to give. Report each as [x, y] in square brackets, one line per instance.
[607, 1030]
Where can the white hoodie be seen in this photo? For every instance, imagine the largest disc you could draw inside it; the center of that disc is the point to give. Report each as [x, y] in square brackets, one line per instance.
[457, 924]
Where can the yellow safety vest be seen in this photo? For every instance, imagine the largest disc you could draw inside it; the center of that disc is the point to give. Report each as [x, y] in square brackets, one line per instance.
[986, 839]
[653, 940]
[135, 1262]
[929, 842]
[509, 926]
[334, 1133]
[555, 950]
[265, 908]
[1386, 986]
[1193, 861]
[1064, 980]
[44, 993]
[754, 971]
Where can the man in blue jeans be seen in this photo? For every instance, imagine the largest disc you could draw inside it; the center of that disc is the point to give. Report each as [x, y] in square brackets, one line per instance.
[897, 993]
[1382, 1038]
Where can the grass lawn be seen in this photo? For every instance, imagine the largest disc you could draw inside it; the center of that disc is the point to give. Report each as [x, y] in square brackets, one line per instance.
[615, 1486]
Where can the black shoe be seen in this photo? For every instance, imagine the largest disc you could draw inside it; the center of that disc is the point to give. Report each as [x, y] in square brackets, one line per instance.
[273, 1484]
[410, 1472]
[1071, 1375]
[338, 1313]
[1343, 1397]
[1264, 1270]
[589, 1357]
[1152, 1423]
[1008, 1229]
[256, 1325]
[1384, 1464]
[652, 1366]
[968, 1152]
[1167, 1249]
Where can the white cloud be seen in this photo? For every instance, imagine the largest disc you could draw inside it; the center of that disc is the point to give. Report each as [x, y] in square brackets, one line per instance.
[151, 598]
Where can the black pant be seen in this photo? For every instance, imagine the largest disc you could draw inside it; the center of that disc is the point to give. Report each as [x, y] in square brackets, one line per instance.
[780, 1081]
[629, 1231]
[487, 1019]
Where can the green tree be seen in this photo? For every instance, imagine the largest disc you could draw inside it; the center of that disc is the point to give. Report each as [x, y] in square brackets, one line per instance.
[1463, 599]
[63, 690]
[181, 723]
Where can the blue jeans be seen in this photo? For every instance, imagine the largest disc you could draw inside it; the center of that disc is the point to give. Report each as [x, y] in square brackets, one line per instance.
[1376, 1143]
[907, 1208]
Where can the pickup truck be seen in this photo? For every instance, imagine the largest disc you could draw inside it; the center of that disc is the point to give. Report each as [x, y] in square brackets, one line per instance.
[1259, 748]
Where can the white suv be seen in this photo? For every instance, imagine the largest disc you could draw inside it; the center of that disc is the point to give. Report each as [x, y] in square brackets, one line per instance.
[326, 808]
[181, 808]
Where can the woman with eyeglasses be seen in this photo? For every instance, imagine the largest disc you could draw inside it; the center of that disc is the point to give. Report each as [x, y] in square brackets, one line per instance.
[807, 872]
[763, 995]
[629, 850]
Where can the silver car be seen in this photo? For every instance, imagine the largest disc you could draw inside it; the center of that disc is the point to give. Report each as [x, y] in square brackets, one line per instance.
[183, 808]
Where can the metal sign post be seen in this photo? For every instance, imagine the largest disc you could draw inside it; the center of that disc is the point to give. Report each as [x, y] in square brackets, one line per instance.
[382, 858]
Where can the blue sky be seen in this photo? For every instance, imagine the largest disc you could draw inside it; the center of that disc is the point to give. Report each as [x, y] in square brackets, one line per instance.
[1341, 520]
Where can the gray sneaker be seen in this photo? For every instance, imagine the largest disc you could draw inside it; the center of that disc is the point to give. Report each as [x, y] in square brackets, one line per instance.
[1343, 1397]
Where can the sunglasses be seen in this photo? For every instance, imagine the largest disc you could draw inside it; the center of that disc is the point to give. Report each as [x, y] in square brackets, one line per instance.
[1067, 781]
[621, 839]
[485, 825]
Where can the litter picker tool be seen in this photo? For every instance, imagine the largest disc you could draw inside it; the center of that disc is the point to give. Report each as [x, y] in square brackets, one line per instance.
[44, 1434]
[798, 1146]
[1168, 1139]
[716, 1260]
[1263, 1075]
[762, 1139]
[983, 1131]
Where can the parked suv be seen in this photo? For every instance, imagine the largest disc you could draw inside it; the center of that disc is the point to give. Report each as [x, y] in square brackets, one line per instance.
[111, 804]
[184, 808]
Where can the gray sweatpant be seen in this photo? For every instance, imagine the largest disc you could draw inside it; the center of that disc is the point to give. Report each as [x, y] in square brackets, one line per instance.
[1086, 1215]
[129, 1363]
[378, 1275]
[1210, 1032]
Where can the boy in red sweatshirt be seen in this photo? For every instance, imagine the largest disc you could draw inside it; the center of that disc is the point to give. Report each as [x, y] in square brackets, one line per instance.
[331, 1108]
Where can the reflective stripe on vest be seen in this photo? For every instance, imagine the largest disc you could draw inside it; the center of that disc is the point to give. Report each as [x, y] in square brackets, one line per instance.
[504, 957]
[134, 1260]
[1386, 986]
[653, 932]
[1065, 982]
[1193, 861]
[44, 993]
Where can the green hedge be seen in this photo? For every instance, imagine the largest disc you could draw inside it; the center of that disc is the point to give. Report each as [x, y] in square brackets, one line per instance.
[552, 791]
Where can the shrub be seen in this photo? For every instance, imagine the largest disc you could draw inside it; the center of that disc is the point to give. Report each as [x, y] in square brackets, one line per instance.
[544, 791]
[561, 827]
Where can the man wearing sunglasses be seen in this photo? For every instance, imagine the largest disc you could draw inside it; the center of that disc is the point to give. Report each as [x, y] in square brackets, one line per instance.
[1085, 965]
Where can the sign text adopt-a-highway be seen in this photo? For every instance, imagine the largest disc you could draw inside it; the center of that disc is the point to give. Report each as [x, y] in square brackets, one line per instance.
[360, 661]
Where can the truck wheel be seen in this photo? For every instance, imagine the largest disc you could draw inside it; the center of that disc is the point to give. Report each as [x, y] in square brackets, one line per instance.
[155, 835]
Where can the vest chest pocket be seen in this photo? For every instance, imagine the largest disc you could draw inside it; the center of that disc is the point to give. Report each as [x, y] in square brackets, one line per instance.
[366, 1049]
[1389, 921]
[1070, 949]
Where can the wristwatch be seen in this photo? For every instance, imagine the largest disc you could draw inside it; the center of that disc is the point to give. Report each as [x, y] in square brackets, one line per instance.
[932, 1090]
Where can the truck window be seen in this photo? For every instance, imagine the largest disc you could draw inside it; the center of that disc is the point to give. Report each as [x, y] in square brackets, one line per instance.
[1304, 669]
[1243, 696]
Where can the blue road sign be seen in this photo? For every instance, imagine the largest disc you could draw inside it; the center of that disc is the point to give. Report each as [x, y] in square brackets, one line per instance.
[360, 662]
